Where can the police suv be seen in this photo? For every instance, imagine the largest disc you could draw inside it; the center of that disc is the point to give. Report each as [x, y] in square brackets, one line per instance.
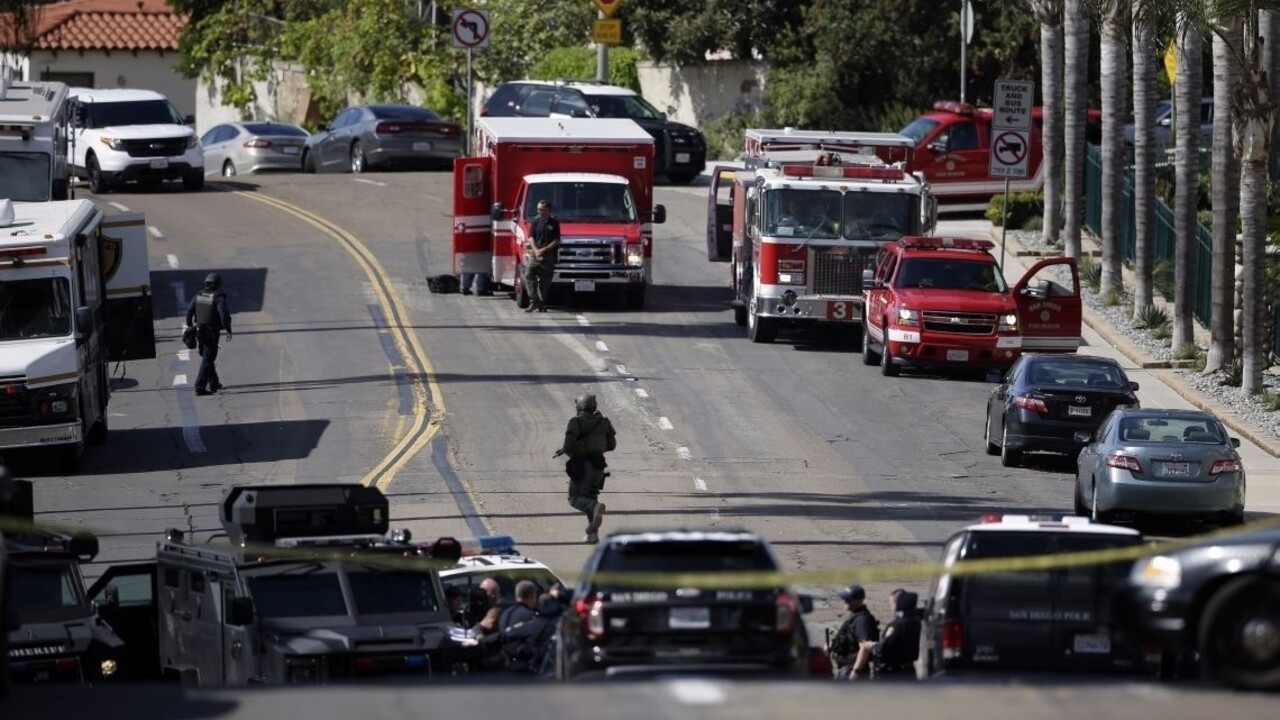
[495, 556]
[305, 586]
[121, 135]
[1003, 612]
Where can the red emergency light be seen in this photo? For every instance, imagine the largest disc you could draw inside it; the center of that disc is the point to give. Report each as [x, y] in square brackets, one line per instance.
[21, 252]
[952, 106]
[945, 243]
[838, 171]
[24, 131]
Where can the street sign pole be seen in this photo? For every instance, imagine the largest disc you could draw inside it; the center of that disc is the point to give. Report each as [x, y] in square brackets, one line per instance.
[964, 46]
[1004, 222]
[602, 55]
[470, 105]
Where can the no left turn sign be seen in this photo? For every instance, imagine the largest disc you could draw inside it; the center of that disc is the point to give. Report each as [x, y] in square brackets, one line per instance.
[470, 29]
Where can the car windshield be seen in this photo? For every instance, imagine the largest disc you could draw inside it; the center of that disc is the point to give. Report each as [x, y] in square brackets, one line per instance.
[403, 112]
[275, 129]
[33, 588]
[950, 274]
[25, 177]
[382, 592]
[294, 596]
[583, 201]
[919, 129]
[1174, 430]
[134, 112]
[35, 309]
[1075, 374]
[691, 557]
[880, 216]
[622, 106]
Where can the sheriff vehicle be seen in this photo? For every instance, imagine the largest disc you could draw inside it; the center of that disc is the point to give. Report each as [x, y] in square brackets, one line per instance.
[34, 125]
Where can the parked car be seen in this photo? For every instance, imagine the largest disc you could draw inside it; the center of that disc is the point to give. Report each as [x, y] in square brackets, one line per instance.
[251, 147]
[680, 152]
[1175, 462]
[1214, 604]
[1044, 400]
[121, 135]
[371, 137]
[1164, 125]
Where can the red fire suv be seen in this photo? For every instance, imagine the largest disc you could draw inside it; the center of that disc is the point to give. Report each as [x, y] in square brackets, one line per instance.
[938, 302]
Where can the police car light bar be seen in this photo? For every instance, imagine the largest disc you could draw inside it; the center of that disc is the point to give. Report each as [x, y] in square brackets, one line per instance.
[488, 545]
[946, 243]
[837, 171]
[267, 513]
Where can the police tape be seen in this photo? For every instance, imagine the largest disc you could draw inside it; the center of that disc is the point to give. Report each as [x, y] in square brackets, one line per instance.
[415, 557]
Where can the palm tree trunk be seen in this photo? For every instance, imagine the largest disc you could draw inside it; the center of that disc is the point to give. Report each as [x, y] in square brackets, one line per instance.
[1114, 68]
[1049, 14]
[1226, 196]
[1076, 71]
[1269, 29]
[1144, 160]
[1187, 91]
[1255, 117]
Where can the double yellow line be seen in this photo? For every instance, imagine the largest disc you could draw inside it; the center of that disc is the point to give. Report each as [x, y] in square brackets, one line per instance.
[426, 391]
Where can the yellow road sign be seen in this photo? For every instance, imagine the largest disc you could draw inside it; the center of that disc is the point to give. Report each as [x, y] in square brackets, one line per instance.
[1171, 62]
[607, 32]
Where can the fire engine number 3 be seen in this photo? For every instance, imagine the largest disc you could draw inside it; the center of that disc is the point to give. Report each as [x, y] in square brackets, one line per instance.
[840, 310]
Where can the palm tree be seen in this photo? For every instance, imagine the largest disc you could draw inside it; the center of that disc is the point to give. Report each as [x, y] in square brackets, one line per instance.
[1226, 196]
[1269, 30]
[1144, 156]
[1190, 56]
[1049, 14]
[1076, 72]
[1113, 70]
[1254, 116]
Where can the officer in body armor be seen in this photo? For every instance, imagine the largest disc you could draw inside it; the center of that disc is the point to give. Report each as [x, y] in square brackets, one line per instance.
[208, 312]
[894, 655]
[588, 437]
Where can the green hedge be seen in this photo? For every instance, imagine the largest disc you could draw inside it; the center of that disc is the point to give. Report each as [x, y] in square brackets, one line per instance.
[1024, 208]
[579, 63]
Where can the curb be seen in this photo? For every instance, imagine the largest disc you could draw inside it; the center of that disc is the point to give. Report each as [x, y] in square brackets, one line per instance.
[1161, 369]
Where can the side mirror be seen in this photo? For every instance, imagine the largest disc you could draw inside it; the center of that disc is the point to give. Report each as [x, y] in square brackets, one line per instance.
[671, 110]
[496, 212]
[659, 214]
[1133, 386]
[939, 146]
[110, 598]
[806, 604]
[189, 119]
[1235, 442]
[84, 546]
[240, 613]
[869, 279]
[1166, 122]
[1083, 436]
[84, 323]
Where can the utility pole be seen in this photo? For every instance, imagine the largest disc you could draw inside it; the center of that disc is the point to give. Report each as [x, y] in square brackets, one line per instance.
[966, 35]
[602, 55]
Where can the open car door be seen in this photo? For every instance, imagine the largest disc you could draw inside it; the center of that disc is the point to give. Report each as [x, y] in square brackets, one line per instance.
[125, 596]
[720, 214]
[1050, 311]
[472, 228]
[126, 273]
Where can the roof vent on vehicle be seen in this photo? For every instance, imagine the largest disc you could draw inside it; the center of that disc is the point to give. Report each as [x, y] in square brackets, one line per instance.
[267, 513]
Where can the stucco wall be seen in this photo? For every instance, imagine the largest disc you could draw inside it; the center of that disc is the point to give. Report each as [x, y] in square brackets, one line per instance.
[284, 96]
[698, 94]
[123, 69]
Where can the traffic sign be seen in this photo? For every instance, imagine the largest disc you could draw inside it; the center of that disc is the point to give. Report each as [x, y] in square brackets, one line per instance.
[608, 7]
[470, 28]
[1009, 153]
[607, 32]
[1014, 101]
[1171, 62]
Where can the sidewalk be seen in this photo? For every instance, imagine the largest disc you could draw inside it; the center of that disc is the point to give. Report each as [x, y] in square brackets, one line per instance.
[1158, 387]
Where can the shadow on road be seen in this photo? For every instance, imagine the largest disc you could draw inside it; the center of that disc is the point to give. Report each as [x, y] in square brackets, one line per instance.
[245, 288]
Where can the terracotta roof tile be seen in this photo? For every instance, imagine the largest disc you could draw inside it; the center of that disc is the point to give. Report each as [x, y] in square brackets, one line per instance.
[106, 25]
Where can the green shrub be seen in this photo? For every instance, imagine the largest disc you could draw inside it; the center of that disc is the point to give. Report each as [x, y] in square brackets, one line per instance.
[1091, 273]
[1233, 374]
[579, 63]
[1150, 318]
[1022, 207]
[1164, 332]
[1115, 297]
[1205, 218]
[1162, 278]
[1189, 351]
[1270, 401]
[725, 134]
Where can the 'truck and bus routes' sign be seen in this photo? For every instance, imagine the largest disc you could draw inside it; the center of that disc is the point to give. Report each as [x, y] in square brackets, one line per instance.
[1011, 128]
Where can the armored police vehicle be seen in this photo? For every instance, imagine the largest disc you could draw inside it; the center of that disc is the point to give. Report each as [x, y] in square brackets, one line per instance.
[54, 634]
[304, 586]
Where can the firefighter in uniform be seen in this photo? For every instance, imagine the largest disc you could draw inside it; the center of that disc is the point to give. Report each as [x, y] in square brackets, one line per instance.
[208, 312]
[587, 438]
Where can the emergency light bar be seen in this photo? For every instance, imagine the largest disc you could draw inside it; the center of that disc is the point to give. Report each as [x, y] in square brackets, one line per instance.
[1042, 520]
[945, 243]
[267, 513]
[838, 171]
[25, 251]
[488, 545]
[954, 107]
[792, 139]
[22, 130]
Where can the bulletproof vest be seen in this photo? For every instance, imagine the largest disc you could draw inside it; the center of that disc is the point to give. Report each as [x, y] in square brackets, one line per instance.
[597, 439]
[207, 309]
[907, 647]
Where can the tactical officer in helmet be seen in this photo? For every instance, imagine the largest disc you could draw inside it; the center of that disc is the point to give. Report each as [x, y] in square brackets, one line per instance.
[208, 312]
[589, 436]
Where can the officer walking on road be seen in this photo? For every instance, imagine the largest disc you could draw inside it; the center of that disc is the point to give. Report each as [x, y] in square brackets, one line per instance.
[861, 626]
[540, 257]
[208, 312]
[588, 437]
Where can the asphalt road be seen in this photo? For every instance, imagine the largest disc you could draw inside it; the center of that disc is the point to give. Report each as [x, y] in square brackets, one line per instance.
[840, 468]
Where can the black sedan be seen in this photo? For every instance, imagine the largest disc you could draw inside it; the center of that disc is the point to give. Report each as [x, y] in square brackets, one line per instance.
[370, 137]
[1045, 399]
[1219, 600]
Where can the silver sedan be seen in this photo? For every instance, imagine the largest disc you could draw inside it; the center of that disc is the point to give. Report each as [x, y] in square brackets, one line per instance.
[251, 147]
[1160, 462]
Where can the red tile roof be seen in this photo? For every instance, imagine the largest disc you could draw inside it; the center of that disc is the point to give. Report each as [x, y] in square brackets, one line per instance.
[104, 25]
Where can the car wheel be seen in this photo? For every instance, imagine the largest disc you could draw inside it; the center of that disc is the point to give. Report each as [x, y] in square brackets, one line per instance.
[1095, 514]
[1009, 457]
[97, 183]
[1240, 634]
[635, 298]
[887, 367]
[869, 356]
[193, 180]
[357, 158]
[740, 315]
[71, 459]
[760, 329]
[228, 169]
[992, 448]
[1077, 502]
[308, 163]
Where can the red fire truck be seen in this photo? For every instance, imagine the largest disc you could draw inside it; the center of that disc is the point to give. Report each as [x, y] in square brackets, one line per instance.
[936, 302]
[800, 224]
[598, 175]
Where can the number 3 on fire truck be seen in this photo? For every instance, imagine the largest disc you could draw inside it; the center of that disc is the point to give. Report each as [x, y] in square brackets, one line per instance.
[838, 310]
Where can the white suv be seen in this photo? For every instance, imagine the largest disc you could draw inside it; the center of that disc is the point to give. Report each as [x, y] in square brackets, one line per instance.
[126, 135]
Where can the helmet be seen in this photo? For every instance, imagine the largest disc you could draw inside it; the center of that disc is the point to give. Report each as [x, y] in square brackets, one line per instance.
[213, 280]
[585, 403]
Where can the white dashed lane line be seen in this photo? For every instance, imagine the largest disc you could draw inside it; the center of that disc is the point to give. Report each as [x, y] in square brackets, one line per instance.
[684, 453]
[155, 233]
[622, 370]
[697, 692]
[699, 484]
[583, 321]
[173, 261]
[179, 380]
[370, 182]
[119, 206]
[186, 405]
[642, 393]
[601, 346]
[664, 423]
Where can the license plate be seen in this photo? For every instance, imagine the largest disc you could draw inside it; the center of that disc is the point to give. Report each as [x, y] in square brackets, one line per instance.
[957, 355]
[1175, 469]
[1092, 644]
[159, 163]
[420, 146]
[290, 149]
[689, 618]
[841, 311]
[584, 285]
[1078, 411]
[682, 157]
